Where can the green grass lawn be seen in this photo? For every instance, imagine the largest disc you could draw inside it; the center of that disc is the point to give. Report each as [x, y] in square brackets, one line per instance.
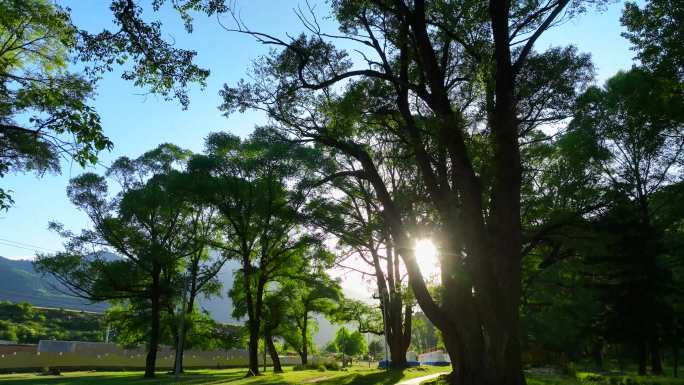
[586, 378]
[357, 375]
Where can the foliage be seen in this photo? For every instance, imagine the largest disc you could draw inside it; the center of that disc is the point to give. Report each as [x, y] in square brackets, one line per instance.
[424, 335]
[249, 182]
[44, 111]
[454, 92]
[350, 344]
[23, 323]
[313, 292]
[331, 347]
[656, 32]
[154, 63]
[151, 223]
[368, 318]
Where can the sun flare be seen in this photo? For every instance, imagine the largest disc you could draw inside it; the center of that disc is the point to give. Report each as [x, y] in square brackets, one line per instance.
[426, 256]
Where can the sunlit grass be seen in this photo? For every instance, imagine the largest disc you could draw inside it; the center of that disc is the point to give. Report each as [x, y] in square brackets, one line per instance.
[588, 378]
[357, 375]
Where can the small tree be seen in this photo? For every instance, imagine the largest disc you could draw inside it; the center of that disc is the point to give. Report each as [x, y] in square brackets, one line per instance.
[375, 349]
[331, 347]
[312, 293]
[349, 344]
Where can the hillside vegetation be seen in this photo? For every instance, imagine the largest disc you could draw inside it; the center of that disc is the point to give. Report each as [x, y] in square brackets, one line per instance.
[23, 323]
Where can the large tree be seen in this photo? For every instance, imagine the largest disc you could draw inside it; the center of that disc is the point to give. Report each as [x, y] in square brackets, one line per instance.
[457, 87]
[366, 247]
[247, 182]
[632, 129]
[147, 223]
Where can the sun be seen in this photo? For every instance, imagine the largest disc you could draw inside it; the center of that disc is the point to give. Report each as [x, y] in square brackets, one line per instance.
[426, 256]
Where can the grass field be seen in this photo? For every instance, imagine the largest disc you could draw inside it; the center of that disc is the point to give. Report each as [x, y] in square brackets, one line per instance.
[357, 375]
[586, 378]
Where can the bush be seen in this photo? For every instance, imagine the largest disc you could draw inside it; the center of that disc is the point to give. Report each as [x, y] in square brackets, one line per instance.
[47, 371]
[593, 377]
[300, 367]
[332, 365]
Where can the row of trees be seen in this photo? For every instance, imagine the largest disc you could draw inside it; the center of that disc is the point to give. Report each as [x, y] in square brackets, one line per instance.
[611, 247]
[175, 221]
[451, 124]
[448, 123]
[604, 274]
[156, 199]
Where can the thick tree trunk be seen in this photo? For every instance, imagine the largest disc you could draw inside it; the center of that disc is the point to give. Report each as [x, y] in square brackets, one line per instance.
[305, 341]
[620, 358]
[277, 368]
[180, 348]
[397, 353]
[175, 332]
[476, 363]
[656, 359]
[182, 355]
[253, 348]
[400, 331]
[392, 302]
[598, 354]
[642, 357]
[155, 308]
[675, 360]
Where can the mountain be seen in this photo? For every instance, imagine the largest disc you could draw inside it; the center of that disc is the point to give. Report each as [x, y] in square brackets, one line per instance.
[19, 282]
[221, 307]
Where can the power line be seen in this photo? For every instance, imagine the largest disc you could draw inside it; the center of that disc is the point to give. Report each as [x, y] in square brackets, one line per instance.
[25, 244]
[22, 245]
[18, 247]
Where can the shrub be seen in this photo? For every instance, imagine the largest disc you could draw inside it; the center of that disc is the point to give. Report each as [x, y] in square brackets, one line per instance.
[332, 365]
[593, 377]
[47, 371]
[300, 367]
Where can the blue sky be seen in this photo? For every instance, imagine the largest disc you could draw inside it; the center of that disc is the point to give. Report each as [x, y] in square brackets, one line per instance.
[137, 123]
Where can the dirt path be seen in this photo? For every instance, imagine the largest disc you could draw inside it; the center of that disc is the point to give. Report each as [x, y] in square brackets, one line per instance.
[418, 380]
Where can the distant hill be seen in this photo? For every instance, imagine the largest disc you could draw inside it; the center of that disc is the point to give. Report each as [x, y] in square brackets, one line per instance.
[19, 282]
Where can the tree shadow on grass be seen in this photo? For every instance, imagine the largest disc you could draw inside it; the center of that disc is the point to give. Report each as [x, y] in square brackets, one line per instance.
[377, 378]
[129, 379]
